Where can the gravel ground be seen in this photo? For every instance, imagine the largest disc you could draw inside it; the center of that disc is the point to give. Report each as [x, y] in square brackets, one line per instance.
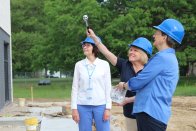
[183, 113]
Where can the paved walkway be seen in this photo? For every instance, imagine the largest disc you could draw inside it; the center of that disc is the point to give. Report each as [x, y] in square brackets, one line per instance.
[47, 124]
[58, 124]
[12, 124]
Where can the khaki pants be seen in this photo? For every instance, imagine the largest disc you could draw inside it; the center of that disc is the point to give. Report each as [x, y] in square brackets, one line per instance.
[131, 124]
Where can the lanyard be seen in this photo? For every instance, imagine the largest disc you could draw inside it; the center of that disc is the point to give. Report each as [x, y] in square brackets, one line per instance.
[90, 69]
[90, 73]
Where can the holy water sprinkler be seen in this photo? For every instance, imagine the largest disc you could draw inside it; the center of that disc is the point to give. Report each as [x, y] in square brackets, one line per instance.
[85, 18]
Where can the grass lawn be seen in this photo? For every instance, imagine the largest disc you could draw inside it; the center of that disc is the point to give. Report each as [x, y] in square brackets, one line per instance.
[186, 87]
[61, 88]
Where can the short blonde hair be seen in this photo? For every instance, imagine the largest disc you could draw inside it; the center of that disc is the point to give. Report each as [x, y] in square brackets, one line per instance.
[144, 57]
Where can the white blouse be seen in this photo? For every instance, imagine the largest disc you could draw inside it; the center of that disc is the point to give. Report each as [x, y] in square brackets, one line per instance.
[91, 84]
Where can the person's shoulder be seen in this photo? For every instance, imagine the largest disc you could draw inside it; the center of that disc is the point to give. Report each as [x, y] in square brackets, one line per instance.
[102, 61]
[80, 62]
[122, 60]
[161, 57]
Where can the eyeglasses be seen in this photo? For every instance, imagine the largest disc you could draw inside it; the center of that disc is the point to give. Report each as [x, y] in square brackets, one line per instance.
[86, 45]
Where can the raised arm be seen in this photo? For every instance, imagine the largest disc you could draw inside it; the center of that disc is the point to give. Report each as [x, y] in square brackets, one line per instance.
[102, 48]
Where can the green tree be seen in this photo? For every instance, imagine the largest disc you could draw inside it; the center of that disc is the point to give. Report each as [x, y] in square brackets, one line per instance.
[138, 17]
[50, 32]
[67, 29]
[28, 30]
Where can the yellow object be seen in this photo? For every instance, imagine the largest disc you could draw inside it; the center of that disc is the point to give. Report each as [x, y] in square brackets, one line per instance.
[31, 121]
[31, 124]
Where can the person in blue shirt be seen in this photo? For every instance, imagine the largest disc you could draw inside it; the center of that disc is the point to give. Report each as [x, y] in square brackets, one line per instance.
[156, 83]
[138, 53]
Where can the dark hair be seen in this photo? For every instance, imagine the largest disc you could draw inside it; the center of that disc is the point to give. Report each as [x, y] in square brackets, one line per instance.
[170, 42]
[95, 50]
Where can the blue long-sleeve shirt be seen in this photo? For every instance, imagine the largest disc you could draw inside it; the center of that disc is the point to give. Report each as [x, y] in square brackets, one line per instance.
[155, 85]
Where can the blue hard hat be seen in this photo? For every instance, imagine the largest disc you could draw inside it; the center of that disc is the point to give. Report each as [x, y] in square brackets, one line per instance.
[143, 44]
[172, 28]
[90, 40]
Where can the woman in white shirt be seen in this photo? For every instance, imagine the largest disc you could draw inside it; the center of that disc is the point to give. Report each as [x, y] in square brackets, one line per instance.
[91, 90]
